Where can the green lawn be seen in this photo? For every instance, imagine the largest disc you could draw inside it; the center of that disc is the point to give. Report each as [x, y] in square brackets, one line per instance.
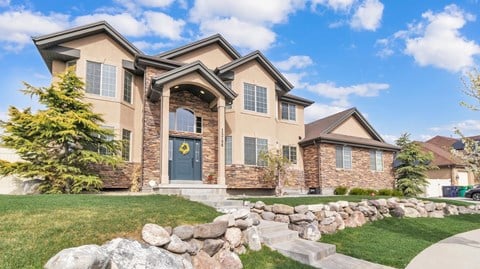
[268, 259]
[395, 242]
[309, 200]
[34, 228]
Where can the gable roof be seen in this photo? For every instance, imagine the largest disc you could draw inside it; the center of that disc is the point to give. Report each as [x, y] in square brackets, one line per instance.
[49, 48]
[296, 100]
[264, 62]
[442, 141]
[154, 91]
[441, 155]
[321, 129]
[200, 44]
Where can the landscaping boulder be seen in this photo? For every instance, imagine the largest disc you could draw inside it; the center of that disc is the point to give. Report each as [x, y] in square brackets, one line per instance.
[411, 212]
[233, 236]
[184, 232]
[229, 218]
[176, 245]
[436, 214]
[229, 260]
[203, 261]
[212, 246]
[88, 256]
[397, 212]
[281, 218]
[450, 210]
[155, 235]
[241, 213]
[301, 209]
[316, 208]
[311, 232]
[243, 224]
[252, 239]
[268, 216]
[282, 209]
[210, 230]
[127, 254]
[259, 205]
[357, 219]
[295, 218]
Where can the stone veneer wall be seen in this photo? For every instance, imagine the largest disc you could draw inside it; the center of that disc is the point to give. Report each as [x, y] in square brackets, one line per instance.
[119, 177]
[310, 165]
[359, 176]
[239, 176]
[209, 135]
[151, 139]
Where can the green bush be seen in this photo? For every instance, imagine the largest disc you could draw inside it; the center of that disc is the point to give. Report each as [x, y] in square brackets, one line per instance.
[360, 191]
[398, 193]
[385, 192]
[340, 190]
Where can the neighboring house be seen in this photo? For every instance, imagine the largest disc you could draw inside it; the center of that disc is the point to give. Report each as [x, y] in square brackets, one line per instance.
[451, 170]
[200, 113]
[344, 150]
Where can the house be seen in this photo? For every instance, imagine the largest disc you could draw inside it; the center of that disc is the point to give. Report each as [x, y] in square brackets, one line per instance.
[345, 150]
[451, 170]
[200, 113]
[198, 116]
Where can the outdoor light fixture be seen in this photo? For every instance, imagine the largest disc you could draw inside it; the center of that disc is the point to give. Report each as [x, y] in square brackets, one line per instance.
[202, 92]
[176, 87]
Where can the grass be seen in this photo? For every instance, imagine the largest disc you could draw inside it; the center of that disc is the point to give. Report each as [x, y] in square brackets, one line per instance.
[395, 242]
[268, 259]
[309, 200]
[34, 228]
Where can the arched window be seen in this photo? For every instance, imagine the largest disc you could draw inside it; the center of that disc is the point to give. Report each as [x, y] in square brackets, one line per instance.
[184, 120]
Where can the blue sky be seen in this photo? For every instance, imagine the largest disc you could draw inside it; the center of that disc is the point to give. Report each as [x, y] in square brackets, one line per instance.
[400, 63]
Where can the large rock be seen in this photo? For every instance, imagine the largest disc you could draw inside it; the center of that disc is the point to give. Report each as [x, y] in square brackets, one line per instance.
[176, 245]
[357, 219]
[294, 218]
[397, 212]
[328, 221]
[301, 209]
[342, 204]
[127, 254]
[281, 218]
[436, 214]
[184, 232]
[334, 206]
[243, 224]
[450, 210]
[316, 208]
[83, 257]
[282, 209]
[203, 261]
[241, 213]
[212, 246]
[259, 205]
[440, 206]
[411, 212]
[268, 215]
[210, 230]
[195, 245]
[311, 232]
[422, 211]
[155, 235]
[227, 217]
[339, 222]
[229, 259]
[252, 239]
[234, 237]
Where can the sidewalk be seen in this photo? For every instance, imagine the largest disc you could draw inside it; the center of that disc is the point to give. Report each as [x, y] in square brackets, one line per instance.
[460, 251]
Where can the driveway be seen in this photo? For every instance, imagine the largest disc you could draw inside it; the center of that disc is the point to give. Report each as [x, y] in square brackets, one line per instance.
[460, 251]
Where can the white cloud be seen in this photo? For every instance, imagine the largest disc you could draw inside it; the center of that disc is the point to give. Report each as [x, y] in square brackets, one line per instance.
[240, 33]
[17, 27]
[441, 44]
[125, 23]
[163, 25]
[296, 79]
[368, 16]
[337, 5]
[294, 62]
[318, 111]
[468, 127]
[155, 3]
[389, 138]
[4, 3]
[147, 46]
[341, 94]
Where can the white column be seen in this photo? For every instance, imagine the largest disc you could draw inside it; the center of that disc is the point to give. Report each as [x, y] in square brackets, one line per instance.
[221, 141]
[164, 135]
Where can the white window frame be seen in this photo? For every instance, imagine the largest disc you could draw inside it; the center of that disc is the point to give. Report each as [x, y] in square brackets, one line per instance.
[102, 91]
[291, 110]
[288, 155]
[258, 149]
[228, 149]
[130, 96]
[256, 102]
[129, 143]
[376, 160]
[346, 157]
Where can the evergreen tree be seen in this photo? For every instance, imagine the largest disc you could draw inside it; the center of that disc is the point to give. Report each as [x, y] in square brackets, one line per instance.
[59, 144]
[412, 164]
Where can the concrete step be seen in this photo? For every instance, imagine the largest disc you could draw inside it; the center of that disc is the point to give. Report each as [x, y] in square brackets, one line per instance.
[272, 226]
[205, 197]
[203, 191]
[276, 237]
[221, 203]
[229, 209]
[304, 251]
[340, 261]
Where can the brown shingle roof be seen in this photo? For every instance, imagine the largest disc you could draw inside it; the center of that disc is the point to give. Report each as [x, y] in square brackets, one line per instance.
[442, 141]
[441, 154]
[321, 130]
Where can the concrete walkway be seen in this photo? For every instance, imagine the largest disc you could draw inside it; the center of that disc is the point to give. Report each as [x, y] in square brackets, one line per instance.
[460, 251]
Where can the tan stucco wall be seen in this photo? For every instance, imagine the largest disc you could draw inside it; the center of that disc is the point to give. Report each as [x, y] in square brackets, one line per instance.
[441, 173]
[116, 113]
[241, 123]
[212, 56]
[451, 173]
[352, 127]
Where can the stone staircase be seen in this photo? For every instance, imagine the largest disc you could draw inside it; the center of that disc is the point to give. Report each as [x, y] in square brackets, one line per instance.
[277, 236]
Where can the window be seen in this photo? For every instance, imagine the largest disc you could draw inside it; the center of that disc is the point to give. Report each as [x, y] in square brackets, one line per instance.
[288, 111]
[255, 98]
[127, 87]
[101, 149]
[229, 85]
[101, 79]
[376, 160]
[184, 120]
[126, 138]
[343, 156]
[253, 148]
[228, 150]
[290, 153]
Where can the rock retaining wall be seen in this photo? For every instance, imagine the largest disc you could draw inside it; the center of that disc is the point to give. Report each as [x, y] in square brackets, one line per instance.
[313, 220]
[210, 245]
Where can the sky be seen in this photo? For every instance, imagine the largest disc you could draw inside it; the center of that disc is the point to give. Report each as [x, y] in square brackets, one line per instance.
[401, 63]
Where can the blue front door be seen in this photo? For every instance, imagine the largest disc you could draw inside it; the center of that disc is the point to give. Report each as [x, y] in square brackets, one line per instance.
[185, 161]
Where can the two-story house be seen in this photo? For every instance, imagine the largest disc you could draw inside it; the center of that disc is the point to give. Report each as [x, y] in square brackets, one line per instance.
[200, 113]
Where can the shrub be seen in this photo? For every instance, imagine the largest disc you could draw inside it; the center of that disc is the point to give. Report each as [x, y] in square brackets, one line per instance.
[398, 193]
[357, 191]
[385, 192]
[340, 190]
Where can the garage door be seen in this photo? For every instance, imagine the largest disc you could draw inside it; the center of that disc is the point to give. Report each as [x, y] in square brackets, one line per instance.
[462, 179]
[434, 187]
